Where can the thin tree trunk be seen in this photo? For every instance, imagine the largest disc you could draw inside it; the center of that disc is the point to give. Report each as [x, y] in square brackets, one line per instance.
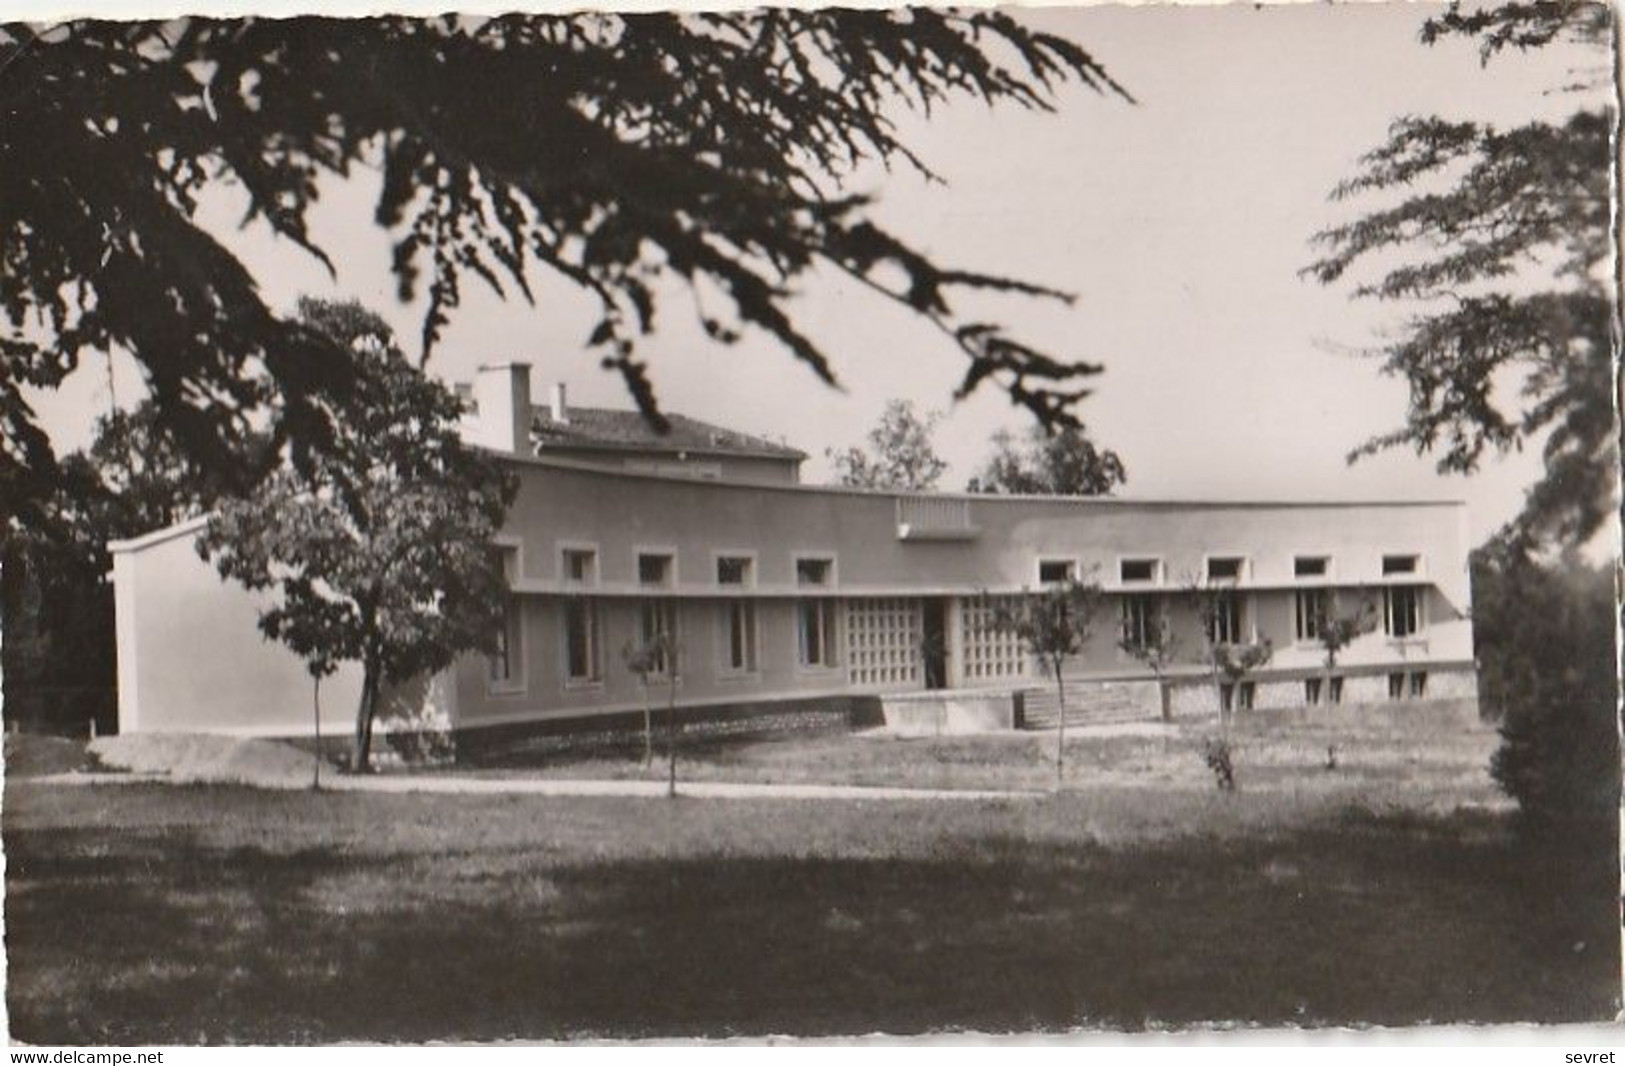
[1163, 696]
[648, 727]
[316, 703]
[671, 734]
[1060, 727]
[361, 752]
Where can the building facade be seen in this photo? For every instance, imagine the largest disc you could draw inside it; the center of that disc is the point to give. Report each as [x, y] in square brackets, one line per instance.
[782, 594]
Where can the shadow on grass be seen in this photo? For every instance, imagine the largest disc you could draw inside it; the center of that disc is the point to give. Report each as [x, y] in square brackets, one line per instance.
[157, 937]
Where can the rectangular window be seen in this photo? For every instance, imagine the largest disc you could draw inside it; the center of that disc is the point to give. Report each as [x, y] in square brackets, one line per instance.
[1245, 693]
[1334, 694]
[1311, 691]
[581, 641]
[1396, 686]
[734, 570]
[657, 622]
[1141, 621]
[1055, 571]
[1137, 571]
[1224, 623]
[1399, 564]
[815, 631]
[580, 566]
[1311, 611]
[1402, 611]
[505, 661]
[1225, 568]
[655, 569]
[1419, 685]
[1311, 566]
[739, 640]
[1227, 696]
[814, 572]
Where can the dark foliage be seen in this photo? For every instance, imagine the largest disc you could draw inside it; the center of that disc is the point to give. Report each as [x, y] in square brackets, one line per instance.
[1062, 463]
[1545, 644]
[607, 150]
[1498, 240]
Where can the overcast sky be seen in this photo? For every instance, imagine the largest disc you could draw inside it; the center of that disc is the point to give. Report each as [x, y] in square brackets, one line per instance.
[1180, 221]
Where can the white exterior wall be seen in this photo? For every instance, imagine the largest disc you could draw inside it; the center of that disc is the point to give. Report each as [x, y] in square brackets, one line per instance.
[191, 657]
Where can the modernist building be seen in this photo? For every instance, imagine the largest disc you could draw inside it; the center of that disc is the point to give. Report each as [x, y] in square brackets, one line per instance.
[781, 594]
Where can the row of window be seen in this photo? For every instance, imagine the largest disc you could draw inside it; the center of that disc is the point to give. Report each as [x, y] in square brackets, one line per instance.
[1218, 569]
[658, 569]
[657, 630]
[1142, 621]
[1314, 609]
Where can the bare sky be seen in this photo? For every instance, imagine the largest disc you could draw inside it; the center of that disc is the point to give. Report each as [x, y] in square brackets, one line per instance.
[1180, 221]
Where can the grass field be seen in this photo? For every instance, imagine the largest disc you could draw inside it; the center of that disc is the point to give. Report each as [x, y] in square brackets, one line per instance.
[1392, 890]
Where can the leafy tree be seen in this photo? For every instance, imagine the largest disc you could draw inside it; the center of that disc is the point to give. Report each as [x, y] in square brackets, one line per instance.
[899, 453]
[630, 151]
[1061, 463]
[1229, 661]
[1544, 635]
[380, 551]
[1157, 648]
[1335, 631]
[1054, 625]
[1498, 242]
[1235, 660]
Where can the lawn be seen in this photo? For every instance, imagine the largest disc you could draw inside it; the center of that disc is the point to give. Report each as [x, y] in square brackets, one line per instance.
[153, 913]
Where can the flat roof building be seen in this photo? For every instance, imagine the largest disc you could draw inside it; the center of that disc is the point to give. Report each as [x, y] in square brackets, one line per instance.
[780, 594]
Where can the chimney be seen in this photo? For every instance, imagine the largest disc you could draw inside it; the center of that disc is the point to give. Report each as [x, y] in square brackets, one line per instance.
[502, 396]
[561, 409]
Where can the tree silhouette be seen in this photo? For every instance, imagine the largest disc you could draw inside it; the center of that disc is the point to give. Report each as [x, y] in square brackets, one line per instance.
[628, 150]
[1498, 242]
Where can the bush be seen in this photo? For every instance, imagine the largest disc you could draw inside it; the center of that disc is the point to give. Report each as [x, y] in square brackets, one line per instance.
[1216, 753]
[1546, 650]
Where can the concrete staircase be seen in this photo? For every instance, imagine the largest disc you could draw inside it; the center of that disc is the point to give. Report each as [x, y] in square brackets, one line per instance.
[1093, 702]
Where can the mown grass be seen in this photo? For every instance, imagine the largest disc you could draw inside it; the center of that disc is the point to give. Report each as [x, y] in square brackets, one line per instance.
[1410, 767]
[146, 913]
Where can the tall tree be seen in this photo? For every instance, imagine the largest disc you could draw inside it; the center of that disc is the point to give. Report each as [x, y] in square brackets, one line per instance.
[899, 453]
[1497, 241]
[380, 552]
[1060, 463]
[710, 148]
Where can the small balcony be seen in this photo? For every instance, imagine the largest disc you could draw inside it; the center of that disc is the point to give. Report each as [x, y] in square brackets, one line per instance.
[934, 518]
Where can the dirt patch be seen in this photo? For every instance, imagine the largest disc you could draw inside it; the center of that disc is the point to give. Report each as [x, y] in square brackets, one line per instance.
[193, 758]
[35, 756]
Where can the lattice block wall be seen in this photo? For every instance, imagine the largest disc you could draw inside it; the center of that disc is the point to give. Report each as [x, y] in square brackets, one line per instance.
[883, 641]
[990, 653]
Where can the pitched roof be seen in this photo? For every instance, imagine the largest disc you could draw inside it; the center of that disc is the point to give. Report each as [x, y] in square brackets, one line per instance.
[602, 427]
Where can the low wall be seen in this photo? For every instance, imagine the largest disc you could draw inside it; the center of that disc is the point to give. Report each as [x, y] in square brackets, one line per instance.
[951, 713]
[531, 741]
